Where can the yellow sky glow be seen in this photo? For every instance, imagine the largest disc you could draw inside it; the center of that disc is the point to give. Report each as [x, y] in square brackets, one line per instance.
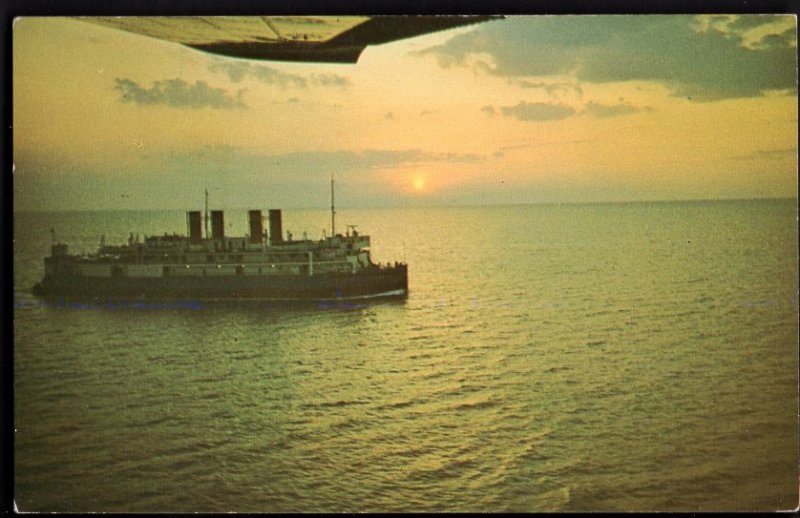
[67, 115]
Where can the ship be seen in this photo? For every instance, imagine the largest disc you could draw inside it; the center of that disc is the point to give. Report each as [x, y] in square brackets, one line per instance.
[259, 266]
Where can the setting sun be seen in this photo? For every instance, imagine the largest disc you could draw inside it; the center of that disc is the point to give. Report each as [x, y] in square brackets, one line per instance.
[419, 183]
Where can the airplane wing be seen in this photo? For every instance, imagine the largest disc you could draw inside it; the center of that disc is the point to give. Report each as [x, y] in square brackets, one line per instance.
[325, 39]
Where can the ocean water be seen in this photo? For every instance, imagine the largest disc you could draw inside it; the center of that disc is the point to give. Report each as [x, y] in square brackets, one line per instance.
[587, 357]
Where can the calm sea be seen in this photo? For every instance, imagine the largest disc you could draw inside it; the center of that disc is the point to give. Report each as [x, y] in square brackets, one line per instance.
[639, 356]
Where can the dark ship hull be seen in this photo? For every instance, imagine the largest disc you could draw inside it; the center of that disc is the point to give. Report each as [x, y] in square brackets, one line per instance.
[369, 283]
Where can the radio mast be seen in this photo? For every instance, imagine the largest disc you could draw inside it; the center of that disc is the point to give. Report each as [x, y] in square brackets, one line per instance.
[206, 213]
[333, 211]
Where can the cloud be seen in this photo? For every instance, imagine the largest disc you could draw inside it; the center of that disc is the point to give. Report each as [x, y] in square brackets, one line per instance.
[537, 111]
[238, 71]
[750, 32]
[236, 176]
[599, 110]
[540, 112]
[705, 59]
[329, 80]
[553, 89]
[371, 159]
[224, 159]
[177, 93]
[769, 154]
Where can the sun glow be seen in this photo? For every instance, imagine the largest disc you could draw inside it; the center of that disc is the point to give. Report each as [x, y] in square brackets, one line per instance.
[419, 183]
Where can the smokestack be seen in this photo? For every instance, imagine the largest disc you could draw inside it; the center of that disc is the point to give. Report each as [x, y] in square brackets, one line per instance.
[275, 226]
[256, 229]
[195, 223]
[217, 224]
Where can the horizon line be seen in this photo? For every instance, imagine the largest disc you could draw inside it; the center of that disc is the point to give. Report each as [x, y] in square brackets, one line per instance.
[436, 205]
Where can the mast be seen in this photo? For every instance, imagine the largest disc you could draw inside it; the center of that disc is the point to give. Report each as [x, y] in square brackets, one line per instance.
[206, 214]
[333, 211]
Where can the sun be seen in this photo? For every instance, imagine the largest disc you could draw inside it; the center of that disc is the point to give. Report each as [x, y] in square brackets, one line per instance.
[419, 183]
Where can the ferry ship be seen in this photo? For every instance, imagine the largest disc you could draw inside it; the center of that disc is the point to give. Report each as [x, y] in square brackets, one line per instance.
[215, 267]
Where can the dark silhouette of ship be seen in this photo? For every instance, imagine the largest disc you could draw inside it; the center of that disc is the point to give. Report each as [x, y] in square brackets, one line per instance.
[259, 266]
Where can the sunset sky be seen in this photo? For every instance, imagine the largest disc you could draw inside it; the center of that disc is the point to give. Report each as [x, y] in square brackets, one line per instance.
[519, 110]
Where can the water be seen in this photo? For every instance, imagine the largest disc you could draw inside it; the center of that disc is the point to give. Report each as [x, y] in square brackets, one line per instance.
[598, 357]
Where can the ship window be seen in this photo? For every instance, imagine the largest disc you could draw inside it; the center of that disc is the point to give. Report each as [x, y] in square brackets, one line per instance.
[116, 271]
[210, 258]
[166, 271]
[240, 270]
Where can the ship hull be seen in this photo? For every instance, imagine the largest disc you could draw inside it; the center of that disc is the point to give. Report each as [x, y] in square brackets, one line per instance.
[373, 282]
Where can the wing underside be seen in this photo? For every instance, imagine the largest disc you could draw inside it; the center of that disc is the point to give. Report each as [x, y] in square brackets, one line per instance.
[332, 39]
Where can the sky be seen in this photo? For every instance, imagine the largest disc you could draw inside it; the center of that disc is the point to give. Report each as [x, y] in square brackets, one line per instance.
[526, 109]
